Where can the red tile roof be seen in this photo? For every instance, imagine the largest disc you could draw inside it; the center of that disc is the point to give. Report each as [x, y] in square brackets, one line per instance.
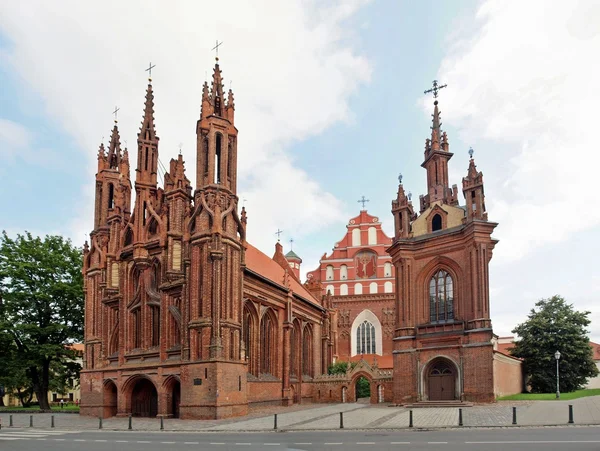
[264, 265]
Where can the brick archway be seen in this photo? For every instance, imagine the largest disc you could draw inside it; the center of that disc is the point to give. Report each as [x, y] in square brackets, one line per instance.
[172, 396]
[109, 398]
[441, 380]
[141, 396]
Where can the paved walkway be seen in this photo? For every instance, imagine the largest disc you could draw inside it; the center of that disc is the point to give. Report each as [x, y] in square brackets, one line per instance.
[356, 416]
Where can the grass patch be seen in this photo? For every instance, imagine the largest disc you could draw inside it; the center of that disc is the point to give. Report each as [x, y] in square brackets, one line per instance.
[551, 396]
[67, 408]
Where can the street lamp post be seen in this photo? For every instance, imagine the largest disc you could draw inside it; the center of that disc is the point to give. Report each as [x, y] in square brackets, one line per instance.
[557, 357]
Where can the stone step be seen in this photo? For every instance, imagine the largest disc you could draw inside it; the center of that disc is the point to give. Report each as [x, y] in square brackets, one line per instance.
[425, 404]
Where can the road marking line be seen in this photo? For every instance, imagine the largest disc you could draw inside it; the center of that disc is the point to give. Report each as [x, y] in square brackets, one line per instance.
[245, 444]
[79, 440]
[333, 443]
[365, 443]
[212, 443]
[121, 441]
[59, 439]
[100, 440]
[534, 441]
[304, 443]
[399, 443]
[11, 438]
[437, 443]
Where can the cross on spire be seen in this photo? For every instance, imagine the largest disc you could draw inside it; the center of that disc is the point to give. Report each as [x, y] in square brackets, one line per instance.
[363, 201]
[216, 49]
[400, 178]
[149, 70]
[291, 244]
[436, 88]
[278, 233]
[115, 113]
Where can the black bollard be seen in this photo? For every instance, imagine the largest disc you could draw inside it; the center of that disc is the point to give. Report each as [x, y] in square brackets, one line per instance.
[514, 415]
[162, 423]
[30, 421]
[275, 421]
[99, 422]
[341, 420]
[460, 422]
[10, 423]
[571, 414]
[410, 419]
[130, 422]
[51, 421]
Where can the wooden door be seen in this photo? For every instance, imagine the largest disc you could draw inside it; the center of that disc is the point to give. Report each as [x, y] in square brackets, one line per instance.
[144, 400]
[441, 383]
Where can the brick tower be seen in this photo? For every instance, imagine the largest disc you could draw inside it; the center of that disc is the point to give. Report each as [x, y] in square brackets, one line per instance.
[443, 348]
[216, 256]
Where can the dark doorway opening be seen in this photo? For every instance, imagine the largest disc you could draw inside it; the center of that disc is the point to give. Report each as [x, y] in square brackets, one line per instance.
[144, 399]
[176, 399]
[363, 388]
[110, 399]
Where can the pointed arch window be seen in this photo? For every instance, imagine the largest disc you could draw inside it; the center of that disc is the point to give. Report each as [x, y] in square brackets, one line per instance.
[268, 345]
[218, 148]
[441, 297]
[307, 352]
[436, 223]
[365, 338]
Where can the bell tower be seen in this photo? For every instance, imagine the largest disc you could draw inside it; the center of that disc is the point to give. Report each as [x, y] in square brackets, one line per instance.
[217, 240]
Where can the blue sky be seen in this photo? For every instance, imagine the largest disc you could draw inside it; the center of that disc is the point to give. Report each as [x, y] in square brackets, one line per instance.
[330, 107]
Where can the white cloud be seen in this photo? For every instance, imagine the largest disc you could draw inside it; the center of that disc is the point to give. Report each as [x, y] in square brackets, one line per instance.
[13, 137]
[292, 65]
[523, 87]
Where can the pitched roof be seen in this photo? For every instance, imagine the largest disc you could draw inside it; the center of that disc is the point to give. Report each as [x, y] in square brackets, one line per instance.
[265, 266]
[292, 254]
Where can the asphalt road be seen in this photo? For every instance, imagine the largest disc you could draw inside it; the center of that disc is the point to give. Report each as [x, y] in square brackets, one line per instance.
[529, 439]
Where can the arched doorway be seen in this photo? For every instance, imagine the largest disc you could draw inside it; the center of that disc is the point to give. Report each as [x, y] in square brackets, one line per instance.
[441, 380]
[175, 399]
[144, 399]
[363, 388]
[110, 399]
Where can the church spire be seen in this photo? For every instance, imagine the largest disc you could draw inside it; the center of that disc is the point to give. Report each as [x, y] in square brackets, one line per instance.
[114, 148]
[216, 91]
[147, 143]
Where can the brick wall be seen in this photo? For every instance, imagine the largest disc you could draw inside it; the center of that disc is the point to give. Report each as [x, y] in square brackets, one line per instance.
[508, 375]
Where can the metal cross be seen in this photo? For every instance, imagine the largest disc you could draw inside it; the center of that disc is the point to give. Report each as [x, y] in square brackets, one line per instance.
[471, 152]
[216, 48]
[291, 244]
[149, 70]
[115, 113]
[180, 146]
[400, 178]
[435, 89]
[363, 201]
[278, 233]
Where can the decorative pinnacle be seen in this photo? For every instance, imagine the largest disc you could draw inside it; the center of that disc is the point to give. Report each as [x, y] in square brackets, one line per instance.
[409, 196]
[471, 152]
[435, 90]
[400, 178]
[149, 70]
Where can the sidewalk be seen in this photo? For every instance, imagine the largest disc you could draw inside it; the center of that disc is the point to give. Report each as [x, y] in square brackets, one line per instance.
[355, 416]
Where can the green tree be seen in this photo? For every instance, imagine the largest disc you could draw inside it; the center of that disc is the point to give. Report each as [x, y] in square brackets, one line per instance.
[553, 325]
[41, 286]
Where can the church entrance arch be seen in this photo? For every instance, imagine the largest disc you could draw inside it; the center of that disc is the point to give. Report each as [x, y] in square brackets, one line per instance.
[110, 399]
[362, 387]
[144, 399]
[441, 377]
[172, 387]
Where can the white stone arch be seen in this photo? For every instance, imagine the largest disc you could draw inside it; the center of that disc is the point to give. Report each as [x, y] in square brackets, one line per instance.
[367, 315]
[330, 289]
[358, 288]
[356, 237]
[372, 235]
[388, 287]
[343, 272]
[329, 272]
[387, 269]
[373, 288]
[343, 289]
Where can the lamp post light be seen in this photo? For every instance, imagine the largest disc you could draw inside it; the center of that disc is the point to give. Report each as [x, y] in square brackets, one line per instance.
[557, 357]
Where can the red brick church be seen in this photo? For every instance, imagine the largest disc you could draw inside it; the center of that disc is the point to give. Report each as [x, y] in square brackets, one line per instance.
[185, 318]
